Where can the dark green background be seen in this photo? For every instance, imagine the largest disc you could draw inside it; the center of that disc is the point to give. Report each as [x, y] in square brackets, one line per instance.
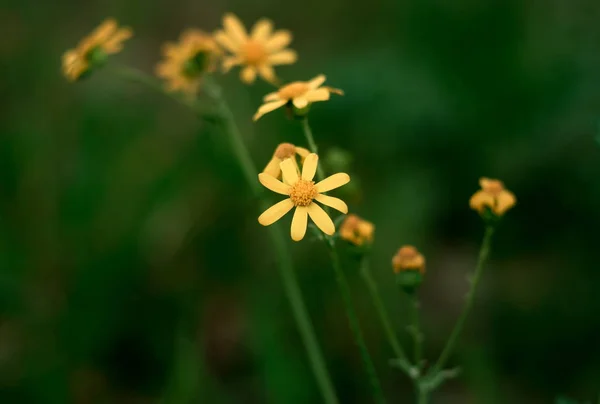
[132, 267]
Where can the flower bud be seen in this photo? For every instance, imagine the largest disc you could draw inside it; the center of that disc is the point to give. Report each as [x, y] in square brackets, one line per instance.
[409, 266]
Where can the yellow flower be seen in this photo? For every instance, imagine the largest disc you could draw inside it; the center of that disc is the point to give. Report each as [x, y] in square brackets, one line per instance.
[408, 258]
[357, 231]
[186, 61]
[259, 51]
[493, 196]
[92, 50]
[284, 151]
[299, 94]
[302, 193]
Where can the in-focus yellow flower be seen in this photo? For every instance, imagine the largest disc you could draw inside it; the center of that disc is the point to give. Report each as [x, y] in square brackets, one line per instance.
[298, 94]
[493, 196]
[408, 258]
[302, 192]
[92, 50]
[258, 52]
[186, 61]
[357, 231]
[282, 152]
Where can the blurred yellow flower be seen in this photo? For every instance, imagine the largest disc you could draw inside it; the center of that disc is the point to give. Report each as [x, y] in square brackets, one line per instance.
[408, 258]
[493, 196]
[258, 52]
[299, 94]
[302, 193]
[92, 50]
[186, 61]
[357, 231]
[282, 152]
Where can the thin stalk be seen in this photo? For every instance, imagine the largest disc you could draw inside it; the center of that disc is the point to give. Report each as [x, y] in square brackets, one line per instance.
[365, 272]
[422, 396]
[286, 269]
[483, 255]
[312, 145]
[416, 330]
[354, 324]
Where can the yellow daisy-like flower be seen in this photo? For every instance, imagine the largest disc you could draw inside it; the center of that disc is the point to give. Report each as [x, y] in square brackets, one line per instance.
[282, 152]
[408, 258]
[357, 231]
[302, 192]
[299, 94]
[258, 52]
[186, 61]
[92, 50]
[492, 196]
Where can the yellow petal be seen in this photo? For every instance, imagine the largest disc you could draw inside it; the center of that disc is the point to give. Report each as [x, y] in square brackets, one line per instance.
[115, 43]
[317, 82]
[289, 171]
[320, 94]
[248, 74]
[230, 61]
[299, 223]
[268, 107]
[225, 41]
[234, 28]
[302, 152]
[284, 57]
[273, 184]
[267, 73]
[106, 29]
[484, 182]
[271, 97]
[332, 182]
[504, 202]
[262, 30]
[332, 202]
[300, 102]
[310, 167]
[275, 212]
[279, 40]
[480, 200]
[321, 219]
[272, 168]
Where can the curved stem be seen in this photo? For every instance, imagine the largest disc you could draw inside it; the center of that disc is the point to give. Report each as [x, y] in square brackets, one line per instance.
[354, 324]
[365, 272]
[483, 255]
[312, 145]
[286, 269]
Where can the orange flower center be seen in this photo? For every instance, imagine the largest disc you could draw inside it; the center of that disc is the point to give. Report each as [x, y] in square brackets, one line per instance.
[285, 150]
[407, 252]
[303, 192]
[293, 90]
[254, 52]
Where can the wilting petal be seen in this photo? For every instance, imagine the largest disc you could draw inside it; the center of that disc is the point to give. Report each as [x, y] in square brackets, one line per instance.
[300, 102]
[332, 202]
[225, 41]
[320, 94]
[279, 40]
[317, 82]
[284, 57]
[332, 182]
[275, 212]
[262, 30]
[234, 28]
[321, 219]
[273, 184]
[289, 170]
[268, 107]
[504, 202]
[248, 74]
[310, 167]
[299, 223]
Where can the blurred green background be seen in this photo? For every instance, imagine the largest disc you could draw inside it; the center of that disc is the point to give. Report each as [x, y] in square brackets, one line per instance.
[132, 267]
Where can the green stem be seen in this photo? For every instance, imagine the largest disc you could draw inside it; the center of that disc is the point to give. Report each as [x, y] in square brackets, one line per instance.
[416, 330]
[285, 266]
[365, 271]
[422, 396]
[354, 324]
[312, 145]
[483, 255]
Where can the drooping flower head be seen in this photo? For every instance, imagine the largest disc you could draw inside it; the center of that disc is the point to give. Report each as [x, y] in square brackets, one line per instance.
[357, 231]
[408, 258]
[492, 198]
[302, 193]
[93, 50]
[258, 51]
[186, 61]
[282, 152]
[298, 94]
